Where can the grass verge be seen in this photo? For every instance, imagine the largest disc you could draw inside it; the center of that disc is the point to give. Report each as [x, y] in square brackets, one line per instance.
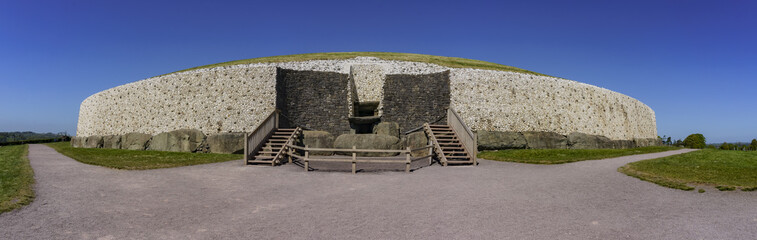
[558, 156]
[452, 62]
[138, 160]
[726, 170]
[16, 178]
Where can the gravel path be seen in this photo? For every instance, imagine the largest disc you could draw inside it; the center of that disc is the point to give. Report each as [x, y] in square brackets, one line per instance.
[495, 200]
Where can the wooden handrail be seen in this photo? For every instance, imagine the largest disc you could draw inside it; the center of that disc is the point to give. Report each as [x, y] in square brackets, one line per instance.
[257, 137]
[437, 147]
[261, 123]
[466, 136]
[289, 140]
[459, 119]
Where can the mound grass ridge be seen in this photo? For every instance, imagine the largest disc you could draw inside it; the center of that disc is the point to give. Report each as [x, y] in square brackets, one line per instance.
[452, 62]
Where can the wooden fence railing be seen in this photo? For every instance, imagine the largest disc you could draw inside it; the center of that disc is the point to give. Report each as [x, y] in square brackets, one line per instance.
[306, 158]
[466, 136]
[257, 137]
[437, 148]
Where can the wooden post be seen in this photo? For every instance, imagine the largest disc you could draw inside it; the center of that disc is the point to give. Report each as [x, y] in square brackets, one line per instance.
[276, 120]
[431, 154]
[475, 150]
[407, 160]
[246, 142]
[289, 153]
[306, 157]
[354, 158]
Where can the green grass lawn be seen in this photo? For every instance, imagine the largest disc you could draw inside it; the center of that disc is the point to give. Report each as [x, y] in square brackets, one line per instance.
[138, 160]
[557, 156]
[727, 170]
[16, 178]
[451, 62]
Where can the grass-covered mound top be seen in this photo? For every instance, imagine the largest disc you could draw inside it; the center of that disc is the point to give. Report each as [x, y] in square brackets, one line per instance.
[451, 62]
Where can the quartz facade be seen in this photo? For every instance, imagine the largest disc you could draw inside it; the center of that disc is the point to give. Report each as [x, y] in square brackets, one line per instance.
[237, 98]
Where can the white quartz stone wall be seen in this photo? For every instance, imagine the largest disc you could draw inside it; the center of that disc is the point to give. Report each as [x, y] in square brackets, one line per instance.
[237, 98]
[507, 101]
[369, 81]
[218, 100]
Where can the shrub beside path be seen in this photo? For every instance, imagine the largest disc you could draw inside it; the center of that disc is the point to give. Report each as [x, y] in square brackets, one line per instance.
[495, 200]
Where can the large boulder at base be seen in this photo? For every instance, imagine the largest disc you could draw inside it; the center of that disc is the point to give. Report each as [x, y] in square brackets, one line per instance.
[112, 141]
[646, 142]
[225, 143]
[182, 140]
[368, 141]
[94, 142]
[387, 128]
[578, 140]
[417, 140]
[135, 141]
[318, 139]
[545, 140]
[495, 140]
[623, 144]
[78, 142]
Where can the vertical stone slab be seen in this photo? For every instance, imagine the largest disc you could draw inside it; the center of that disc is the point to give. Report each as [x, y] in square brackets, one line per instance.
[317, 100]
[411, 100]
[369, 82]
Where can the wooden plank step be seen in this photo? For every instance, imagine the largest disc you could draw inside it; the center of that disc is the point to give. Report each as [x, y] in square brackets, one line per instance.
[451, 143]
[285, 129]
[458, 154]
[274, 146]
[445, 148]
[271, 149]
[279, 136]
[259, 161]
[457, 157]
[271, 152]
[459, 162]
[277, 140]
[437, 125]
[264, 157]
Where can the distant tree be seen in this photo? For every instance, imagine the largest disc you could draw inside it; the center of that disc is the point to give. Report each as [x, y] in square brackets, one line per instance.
[696, 140]
[753, 146]
[670, 142]
[678, 143]
[724, 146]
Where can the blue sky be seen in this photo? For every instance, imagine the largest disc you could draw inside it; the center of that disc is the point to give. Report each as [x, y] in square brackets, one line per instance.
[693, 62]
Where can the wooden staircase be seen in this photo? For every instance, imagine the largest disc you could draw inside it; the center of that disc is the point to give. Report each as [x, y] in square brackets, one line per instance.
[274, 149]
[448, 147]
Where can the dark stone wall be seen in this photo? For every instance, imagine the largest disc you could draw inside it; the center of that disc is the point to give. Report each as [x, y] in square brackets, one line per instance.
[317, 100]
[411, 100]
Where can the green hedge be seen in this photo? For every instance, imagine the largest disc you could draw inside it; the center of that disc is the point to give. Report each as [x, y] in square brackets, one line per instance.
[49, 140]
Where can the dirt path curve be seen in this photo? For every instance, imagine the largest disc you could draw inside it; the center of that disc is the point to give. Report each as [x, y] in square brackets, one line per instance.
[495, 200]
